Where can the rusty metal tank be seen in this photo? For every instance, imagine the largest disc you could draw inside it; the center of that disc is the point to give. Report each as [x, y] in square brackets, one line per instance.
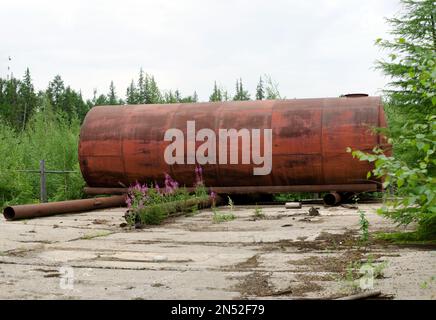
[123, 144]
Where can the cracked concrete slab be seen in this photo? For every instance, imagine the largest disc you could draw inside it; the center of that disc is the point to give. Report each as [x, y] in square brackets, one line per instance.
[284, 255]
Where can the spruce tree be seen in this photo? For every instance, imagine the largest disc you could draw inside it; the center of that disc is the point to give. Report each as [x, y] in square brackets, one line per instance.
[112, 96]
[153, 93]
[55, 92]
[28, 97]
[141, 92]
[216, 94]
[241, 94]
[412, 59]
[102, 100]
[132, 94]
[195, 97]
[260, 92]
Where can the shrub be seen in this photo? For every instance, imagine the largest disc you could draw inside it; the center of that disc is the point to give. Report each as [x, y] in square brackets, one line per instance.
[413, 184]
[153, 204]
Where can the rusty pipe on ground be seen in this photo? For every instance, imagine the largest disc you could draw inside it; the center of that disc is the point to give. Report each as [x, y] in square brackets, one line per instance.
[332, 198]
[61, 207]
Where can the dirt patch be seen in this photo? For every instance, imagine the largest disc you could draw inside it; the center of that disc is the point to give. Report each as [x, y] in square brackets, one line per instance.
[332, 239]
[157, 285]
[325, 241]
[305, 287]
[255, 284]
[304, 277]
[248, 264]
[258, 284]
[335, 264]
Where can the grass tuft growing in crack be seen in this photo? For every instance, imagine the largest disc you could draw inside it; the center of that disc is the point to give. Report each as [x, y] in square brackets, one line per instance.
[96, 235]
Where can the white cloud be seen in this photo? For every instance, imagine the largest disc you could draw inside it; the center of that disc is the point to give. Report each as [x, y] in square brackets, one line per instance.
[312, 48]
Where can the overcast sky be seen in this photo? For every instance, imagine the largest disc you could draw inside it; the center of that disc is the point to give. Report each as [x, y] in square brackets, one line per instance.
[315, 48]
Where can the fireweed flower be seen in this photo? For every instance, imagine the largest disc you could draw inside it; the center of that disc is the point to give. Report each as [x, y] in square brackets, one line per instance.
[129, 201]
[198, 176]
[136, 195]
[170, 184]
[213, 195]
[157, 188]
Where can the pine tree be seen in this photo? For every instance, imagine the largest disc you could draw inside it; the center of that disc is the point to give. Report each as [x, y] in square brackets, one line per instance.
[94, 97]
[132, 94]
[55, 92]
[82, 106]
[260, 92]
[142, 88]
[216, 94]
[153, 93]
[169, 97]
[240, 94]
[28, 97]
[411, 94]
[177, 95]
[413, 56]
[112, 96]
[10, 102]
[102, 100]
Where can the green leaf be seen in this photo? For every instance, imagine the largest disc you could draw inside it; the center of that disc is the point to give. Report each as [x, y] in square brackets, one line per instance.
[400, 183]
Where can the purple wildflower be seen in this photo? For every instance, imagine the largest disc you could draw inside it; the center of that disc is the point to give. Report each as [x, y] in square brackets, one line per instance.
[170, 184]
[198, 176]
[136, 195]
[157, 188]
[129, 202]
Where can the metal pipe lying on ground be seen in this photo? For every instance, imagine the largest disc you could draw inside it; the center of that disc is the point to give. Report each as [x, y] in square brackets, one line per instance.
[72, 206]
[332, 198]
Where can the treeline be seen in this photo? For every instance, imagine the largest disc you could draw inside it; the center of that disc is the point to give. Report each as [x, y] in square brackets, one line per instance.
[19, 100]
[45, 124]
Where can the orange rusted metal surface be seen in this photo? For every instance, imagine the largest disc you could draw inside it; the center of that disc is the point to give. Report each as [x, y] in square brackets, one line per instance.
[123, 144]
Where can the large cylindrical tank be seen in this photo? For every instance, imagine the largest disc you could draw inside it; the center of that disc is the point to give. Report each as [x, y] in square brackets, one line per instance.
[123, 144]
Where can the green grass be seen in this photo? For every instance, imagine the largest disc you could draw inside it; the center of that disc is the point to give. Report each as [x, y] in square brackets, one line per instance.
[413, 237]
[95, 235]
[258, 213]
[219, 217]
[364, 225]
[50, 137]
[154, 214]
[355, 272]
